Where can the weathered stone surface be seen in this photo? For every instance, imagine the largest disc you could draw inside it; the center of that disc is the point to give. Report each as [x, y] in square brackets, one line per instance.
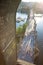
[7, 31]
[8, 6]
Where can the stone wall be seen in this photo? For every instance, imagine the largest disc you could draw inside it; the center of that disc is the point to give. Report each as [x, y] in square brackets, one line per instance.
[7, 31]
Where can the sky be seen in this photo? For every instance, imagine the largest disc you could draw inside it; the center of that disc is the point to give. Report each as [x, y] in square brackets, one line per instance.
[32, 0]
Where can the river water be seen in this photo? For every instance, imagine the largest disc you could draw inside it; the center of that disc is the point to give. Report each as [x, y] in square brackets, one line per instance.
[39, 28]
[22, 16]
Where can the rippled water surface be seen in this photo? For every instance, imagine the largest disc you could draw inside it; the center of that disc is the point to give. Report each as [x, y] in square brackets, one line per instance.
[39, 28]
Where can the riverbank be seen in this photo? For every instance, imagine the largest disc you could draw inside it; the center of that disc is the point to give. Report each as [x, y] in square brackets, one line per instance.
[26, 50]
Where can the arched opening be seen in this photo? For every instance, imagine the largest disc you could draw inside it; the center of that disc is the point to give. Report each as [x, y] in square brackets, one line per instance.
[33, 12]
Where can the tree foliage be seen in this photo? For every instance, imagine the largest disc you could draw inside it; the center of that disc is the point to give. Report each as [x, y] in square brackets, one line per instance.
[21, 29]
